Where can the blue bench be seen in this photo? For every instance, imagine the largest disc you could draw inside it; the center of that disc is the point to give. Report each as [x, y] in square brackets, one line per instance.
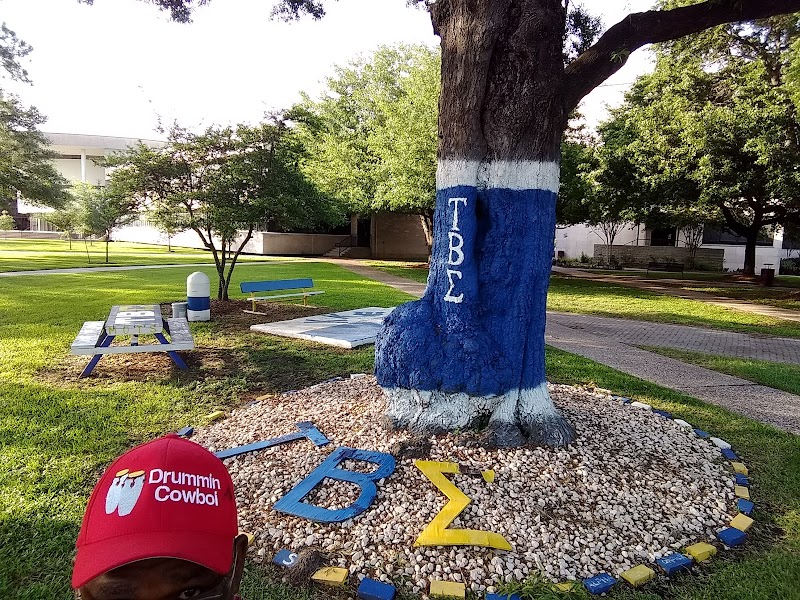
[279, 285]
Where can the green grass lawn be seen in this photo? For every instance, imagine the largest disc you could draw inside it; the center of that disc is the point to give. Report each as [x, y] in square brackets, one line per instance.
[792, 281]
[29, 255]
[771, 374]
[58, 434]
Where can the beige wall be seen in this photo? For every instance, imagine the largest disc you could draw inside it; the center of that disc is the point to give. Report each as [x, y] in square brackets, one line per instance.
[289, 244]
[640, 256]
[398, 236]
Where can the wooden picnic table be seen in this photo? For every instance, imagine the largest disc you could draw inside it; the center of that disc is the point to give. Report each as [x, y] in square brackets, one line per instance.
[133, 320]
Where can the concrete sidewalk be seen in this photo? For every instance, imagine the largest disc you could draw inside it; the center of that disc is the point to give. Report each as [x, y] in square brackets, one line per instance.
[612, 342]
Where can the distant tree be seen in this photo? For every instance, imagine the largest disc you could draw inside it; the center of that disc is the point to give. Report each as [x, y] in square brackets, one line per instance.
[226, 183]
[25, 159]
[168, 221]
[11, 50]
[7, 221]
[66, 219]
[103, 209]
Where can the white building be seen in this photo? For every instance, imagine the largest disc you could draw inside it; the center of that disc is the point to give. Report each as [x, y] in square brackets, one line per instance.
[78, 156]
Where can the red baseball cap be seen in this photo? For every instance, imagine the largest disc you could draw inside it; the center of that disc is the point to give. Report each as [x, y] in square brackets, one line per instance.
[169, 498]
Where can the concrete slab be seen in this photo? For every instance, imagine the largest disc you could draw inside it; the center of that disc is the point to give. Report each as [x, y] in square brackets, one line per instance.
[346, 329]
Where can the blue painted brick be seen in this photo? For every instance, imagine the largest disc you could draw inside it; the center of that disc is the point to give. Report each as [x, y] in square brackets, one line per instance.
[732, 536]
[729, 454]
[745, 506]
[599, 584]
[186, 432]
[663, 413]
[626, 400]
[742, 480]
[502, 597]
[285, 558]
[674, 563]
[369, 589]
[702, 434]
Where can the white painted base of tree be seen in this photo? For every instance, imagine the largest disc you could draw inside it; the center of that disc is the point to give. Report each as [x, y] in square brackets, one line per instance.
[514, 418]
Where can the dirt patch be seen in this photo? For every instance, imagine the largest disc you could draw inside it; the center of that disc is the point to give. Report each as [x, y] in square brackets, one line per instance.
[203, 361]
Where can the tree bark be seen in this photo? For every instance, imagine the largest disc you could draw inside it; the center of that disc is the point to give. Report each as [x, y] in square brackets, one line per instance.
[471, 351]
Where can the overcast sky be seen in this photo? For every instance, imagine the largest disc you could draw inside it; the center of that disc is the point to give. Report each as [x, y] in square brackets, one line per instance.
[111, 68]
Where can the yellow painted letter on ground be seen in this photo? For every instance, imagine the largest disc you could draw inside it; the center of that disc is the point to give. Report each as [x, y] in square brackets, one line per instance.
[437, 532]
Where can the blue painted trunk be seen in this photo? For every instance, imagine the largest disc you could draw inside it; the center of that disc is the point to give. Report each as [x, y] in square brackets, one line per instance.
[472, 349]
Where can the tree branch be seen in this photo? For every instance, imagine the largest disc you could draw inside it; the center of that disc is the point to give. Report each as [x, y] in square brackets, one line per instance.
[611, 51]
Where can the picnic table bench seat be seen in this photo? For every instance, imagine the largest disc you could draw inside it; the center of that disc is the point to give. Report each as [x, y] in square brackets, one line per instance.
[305, 287]
[92, 334]
[666, 266]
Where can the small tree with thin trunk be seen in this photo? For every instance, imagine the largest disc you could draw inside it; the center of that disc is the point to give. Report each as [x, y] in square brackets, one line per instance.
[102, 209]
[67, 220]
[224, 184]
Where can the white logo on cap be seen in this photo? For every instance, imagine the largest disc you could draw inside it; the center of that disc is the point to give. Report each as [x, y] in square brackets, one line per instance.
[124, 492]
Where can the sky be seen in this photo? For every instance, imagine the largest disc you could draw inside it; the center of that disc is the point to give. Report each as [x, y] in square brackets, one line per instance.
[116, 67]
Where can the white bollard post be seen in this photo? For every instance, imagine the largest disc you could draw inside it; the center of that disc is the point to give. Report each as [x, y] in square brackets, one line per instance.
[198, 295]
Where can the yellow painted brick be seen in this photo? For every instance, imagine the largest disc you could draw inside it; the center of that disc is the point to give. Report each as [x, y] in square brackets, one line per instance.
[488, 476]
[250, 537]
[638, 575]
[739, 468]
[451, 589]
[330, 576]
[741, 492]
[701, 551]
[742, 522]
[566, 586]
[215, 416]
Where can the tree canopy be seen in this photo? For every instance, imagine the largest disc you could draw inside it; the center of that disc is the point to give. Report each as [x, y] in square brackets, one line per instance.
[371, 136]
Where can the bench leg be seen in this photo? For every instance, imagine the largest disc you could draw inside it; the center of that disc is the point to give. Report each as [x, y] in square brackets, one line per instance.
[87, 370]
[172, 354]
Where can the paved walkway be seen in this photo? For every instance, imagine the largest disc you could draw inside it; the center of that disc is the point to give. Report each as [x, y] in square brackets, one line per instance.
[613, 342]
[661, 286]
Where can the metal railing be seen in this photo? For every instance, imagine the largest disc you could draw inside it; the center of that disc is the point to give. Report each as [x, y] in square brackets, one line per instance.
[349, 242]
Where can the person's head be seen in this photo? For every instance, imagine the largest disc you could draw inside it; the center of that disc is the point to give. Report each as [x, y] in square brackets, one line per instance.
[161, 525]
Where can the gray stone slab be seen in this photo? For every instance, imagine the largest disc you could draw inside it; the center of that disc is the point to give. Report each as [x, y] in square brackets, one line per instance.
[346, 329]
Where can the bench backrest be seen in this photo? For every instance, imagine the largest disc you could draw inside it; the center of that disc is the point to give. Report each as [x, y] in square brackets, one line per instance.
[275, 285]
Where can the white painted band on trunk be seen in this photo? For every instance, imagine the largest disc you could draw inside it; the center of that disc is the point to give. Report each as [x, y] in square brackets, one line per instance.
[498, 174]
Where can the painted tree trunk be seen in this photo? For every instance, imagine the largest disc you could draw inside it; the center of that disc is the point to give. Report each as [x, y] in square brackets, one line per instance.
[470, 353]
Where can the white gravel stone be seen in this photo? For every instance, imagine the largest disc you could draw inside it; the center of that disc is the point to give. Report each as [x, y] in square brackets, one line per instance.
[631, 487]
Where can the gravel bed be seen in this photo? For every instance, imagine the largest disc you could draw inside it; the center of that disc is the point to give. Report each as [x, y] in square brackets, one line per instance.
[633, 487]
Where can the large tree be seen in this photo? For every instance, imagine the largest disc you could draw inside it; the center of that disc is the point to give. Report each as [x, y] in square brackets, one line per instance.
[471, 351]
